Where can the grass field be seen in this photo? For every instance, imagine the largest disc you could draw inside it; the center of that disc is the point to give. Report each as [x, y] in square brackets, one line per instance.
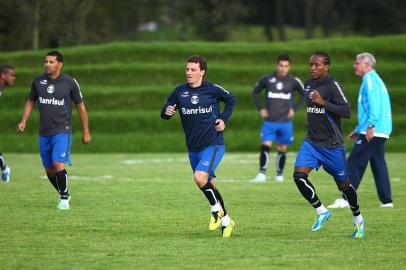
[143, 211]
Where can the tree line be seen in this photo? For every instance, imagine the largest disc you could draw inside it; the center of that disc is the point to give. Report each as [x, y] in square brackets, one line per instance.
[34, 24]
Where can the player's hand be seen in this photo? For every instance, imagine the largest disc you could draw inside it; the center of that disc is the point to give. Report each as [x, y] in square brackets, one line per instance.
[291, 113]
[20, 127]
[220, 126]
[370, 134]
[352, 136]
[317, 98]
[86, 138]
[264, 113]
[170, 110]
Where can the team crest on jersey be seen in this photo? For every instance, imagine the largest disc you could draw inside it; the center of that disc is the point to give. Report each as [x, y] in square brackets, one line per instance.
[279, 86]
[51, 89]
[195, 99]
[184, 94]
[273, 80]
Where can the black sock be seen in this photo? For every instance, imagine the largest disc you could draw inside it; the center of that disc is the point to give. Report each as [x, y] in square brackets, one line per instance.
[62, 184]
[209, 192]
[2, 163]
[52, 179]
[218, 195]
[351, 196]
[264, 158]
[306, 188]
[280, 162]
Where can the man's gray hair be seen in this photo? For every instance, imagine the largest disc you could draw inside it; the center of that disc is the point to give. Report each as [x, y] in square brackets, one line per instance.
[367, 58]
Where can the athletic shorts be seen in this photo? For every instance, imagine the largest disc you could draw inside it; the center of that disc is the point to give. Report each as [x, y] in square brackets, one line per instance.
[55, 148]
[332, 159]
[207, 160]
[280, 132]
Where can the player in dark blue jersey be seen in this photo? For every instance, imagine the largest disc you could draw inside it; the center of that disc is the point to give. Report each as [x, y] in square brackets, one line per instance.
[324, 143]
[279, 109]
[203, 124]
[55, 93]
[7, 78]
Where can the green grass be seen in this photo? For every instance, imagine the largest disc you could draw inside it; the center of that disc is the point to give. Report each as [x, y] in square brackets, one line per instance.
[149, 215]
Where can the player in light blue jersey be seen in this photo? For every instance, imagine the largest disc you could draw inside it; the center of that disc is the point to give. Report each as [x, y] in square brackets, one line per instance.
[373, 130]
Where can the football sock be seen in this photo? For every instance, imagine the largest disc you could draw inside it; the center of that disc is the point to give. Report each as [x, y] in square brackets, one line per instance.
[2, 163]
[264, 159]
[220, 199]
[306, 189]
[280, 162]
[321, 210]
[358, 219]
[52, 179]
[208, 191]
[351, 196]
[225, 221]
[62, 184]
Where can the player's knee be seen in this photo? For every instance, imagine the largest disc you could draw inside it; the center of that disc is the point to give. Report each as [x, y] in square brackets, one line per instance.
[200, 178]
[343, 185]
[300, 175]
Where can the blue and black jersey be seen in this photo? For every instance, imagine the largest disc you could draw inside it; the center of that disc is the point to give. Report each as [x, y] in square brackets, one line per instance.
[54, 98]
[198, 109]
[324, 122]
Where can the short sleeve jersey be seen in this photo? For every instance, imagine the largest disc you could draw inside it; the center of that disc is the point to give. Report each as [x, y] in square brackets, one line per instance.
[54, 99]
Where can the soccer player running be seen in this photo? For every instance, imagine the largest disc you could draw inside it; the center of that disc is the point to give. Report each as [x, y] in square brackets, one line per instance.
[373, 130]
[7, 78]
[279, 110]
[198, 103]
[54, 93]
[324, 143]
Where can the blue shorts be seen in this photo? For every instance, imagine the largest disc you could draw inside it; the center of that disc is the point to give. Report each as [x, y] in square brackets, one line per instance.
[280, 132]
[207, 160]
[332, 159]
[55, 148]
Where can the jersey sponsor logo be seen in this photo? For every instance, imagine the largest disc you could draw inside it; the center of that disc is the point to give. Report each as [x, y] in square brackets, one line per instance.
[43, 82]
[272, 80]
[199, 110]
[316, 110]
[51, 89]
[279, 95]
[279, 86]
[194, 99]
[52, 101]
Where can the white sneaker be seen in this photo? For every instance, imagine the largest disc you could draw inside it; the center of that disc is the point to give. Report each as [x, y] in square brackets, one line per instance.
[387, 205]
[339, 203]
[260, 178]
[5, 175]
[279, 178]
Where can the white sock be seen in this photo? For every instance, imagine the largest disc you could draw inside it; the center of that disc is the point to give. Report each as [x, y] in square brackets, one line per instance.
[225, 221]
[358, 219]
[216, 207]
[321, 209]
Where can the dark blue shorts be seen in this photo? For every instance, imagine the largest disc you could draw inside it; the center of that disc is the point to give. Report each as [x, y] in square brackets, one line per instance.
[55, 148]
[207, 160]
[280, 132]
[332, 159]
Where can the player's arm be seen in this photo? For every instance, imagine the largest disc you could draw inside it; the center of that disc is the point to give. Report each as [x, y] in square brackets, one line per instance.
[259, 86]
[229, 99]
[373, 94]
[29, 105]
[300, 89]
[86, 138]
[170, 106]
[337, 102]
